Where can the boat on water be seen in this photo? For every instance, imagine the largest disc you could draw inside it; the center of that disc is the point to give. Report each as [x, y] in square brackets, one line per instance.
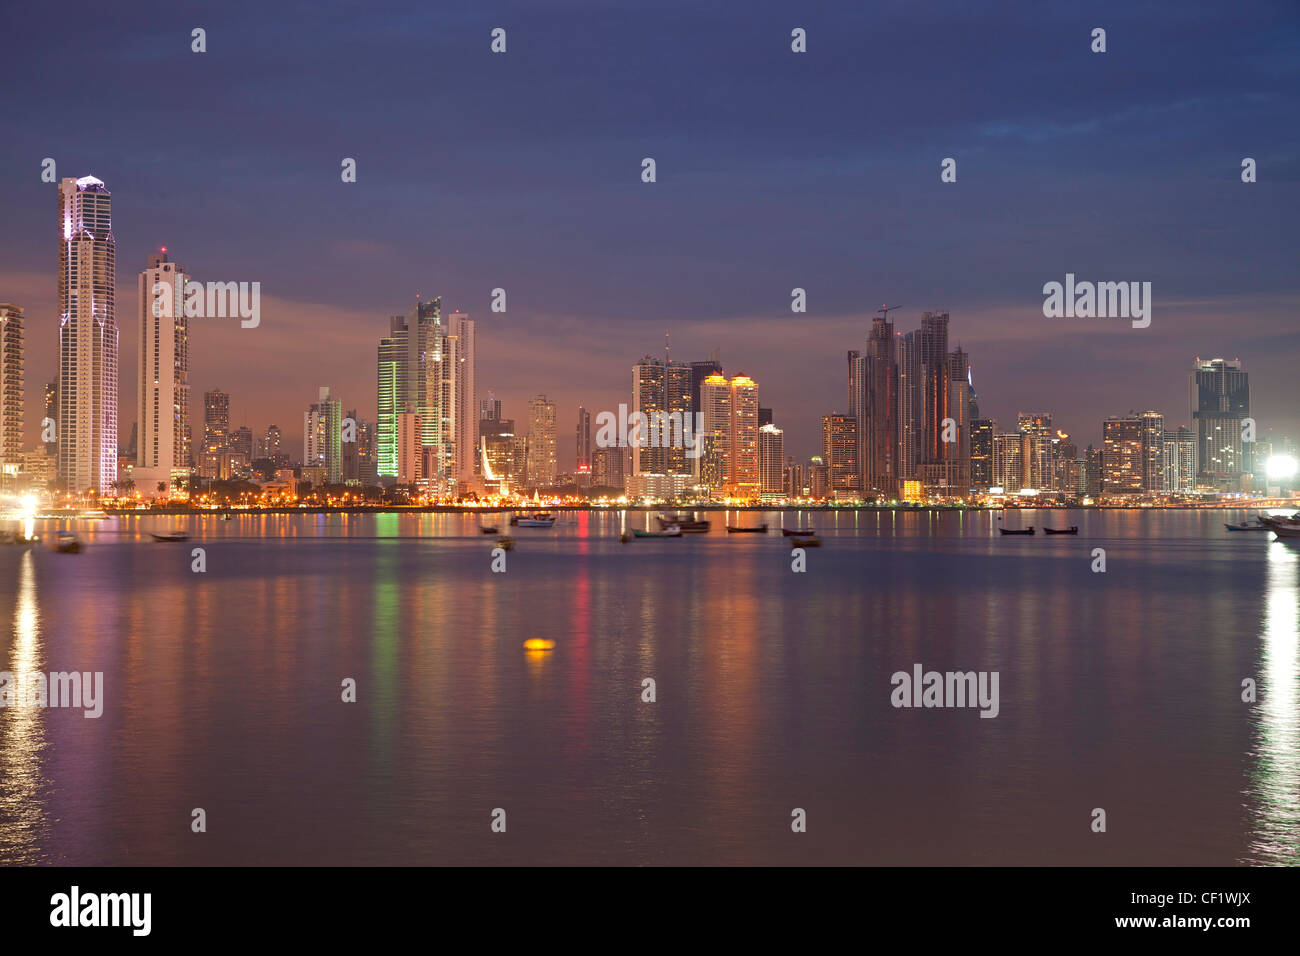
[1029, 530]
[672, 531]
[809, 542]
[757, 529]
[1073, 529]
[506, 544]
[1283, 527]
[688, 524]
[17, 537]
[1250, 524]
[489, 529]
[176, 535]
[538, 519]
[799, 532]
[67, 542]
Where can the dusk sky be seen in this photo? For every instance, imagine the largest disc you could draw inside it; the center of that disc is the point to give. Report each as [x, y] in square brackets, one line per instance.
[821, 170]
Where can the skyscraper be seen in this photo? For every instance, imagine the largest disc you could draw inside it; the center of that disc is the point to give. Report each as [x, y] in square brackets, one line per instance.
[840, 453]
[461, 329]
[1153, 452]
[51, 415]
[542, 464]
[661, 391]
[11, 389]
[908, 354]
[322, 433]
[771, 463]
[582, 443]
[1180, 460]
[1220, 399]
[1123, 461]
[216, 419]
[88, 340]
[1037, 468]
[699, 372]
[981, 453]
[878, 421]
[933, 354]
[743, 478]
[163, 395]
[394, 396]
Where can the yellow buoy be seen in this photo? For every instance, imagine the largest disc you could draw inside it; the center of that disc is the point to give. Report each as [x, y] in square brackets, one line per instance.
[538, 644]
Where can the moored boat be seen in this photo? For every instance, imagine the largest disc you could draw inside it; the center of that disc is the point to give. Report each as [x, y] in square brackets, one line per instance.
[67, 542]
[176, 535]
[1073, 529]
[672, 531]
[1283, 527]
[1029, 530]
[809, 542]
[757, 529]
[1250, 524]
[799, 532]
[687, 524]
[489, 529]
[538, 519]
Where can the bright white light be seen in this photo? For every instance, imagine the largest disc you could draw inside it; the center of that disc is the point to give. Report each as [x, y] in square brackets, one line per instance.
[27, 507]
[1281, 467]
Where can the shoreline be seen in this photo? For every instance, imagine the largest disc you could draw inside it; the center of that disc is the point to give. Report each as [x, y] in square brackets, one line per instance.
[654, 509]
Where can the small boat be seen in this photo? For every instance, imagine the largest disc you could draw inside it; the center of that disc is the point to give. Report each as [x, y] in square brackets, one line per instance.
[687, 524]
[1073, 529]
[226, 516]
[489, 529]
[67, 543]
[173, 536]
[673, 531]
[1250, 524]
[757, 529]
[1029, 530]
[810, 542]
[799, 532]
[539, 519]
[506, 544]
[17, 537]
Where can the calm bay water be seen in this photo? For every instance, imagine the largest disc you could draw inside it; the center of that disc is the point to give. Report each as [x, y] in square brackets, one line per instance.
[1119, 690]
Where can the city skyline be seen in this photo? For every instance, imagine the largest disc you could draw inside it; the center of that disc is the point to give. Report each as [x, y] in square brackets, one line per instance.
[695, 253]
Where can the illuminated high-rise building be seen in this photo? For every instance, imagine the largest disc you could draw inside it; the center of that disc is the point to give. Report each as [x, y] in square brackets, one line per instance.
[1037, 466]
[910, 403]
[1008, 462]
[542, 461]
[771, 463]
[163, 392]
[1123, 462]
[11, 389]
[465, 412]
[88, 337]
[582, 443]
[1180, 460]
[1220, 399]
[662, 392]
[840, 453]
[322, 434]
[981, 453]
[216, 419]
[1153, 452]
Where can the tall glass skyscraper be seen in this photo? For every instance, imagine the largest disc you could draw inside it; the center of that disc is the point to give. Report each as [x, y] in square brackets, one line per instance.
[87, 421]
[163, 396]
[11, 388]
[1220, 398]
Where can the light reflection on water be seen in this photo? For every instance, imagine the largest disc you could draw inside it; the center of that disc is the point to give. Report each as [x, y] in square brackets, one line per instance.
[1274, 792]
[223, 690]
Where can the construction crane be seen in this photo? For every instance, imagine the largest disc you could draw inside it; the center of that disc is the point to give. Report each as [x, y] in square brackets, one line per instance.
[884, 310]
